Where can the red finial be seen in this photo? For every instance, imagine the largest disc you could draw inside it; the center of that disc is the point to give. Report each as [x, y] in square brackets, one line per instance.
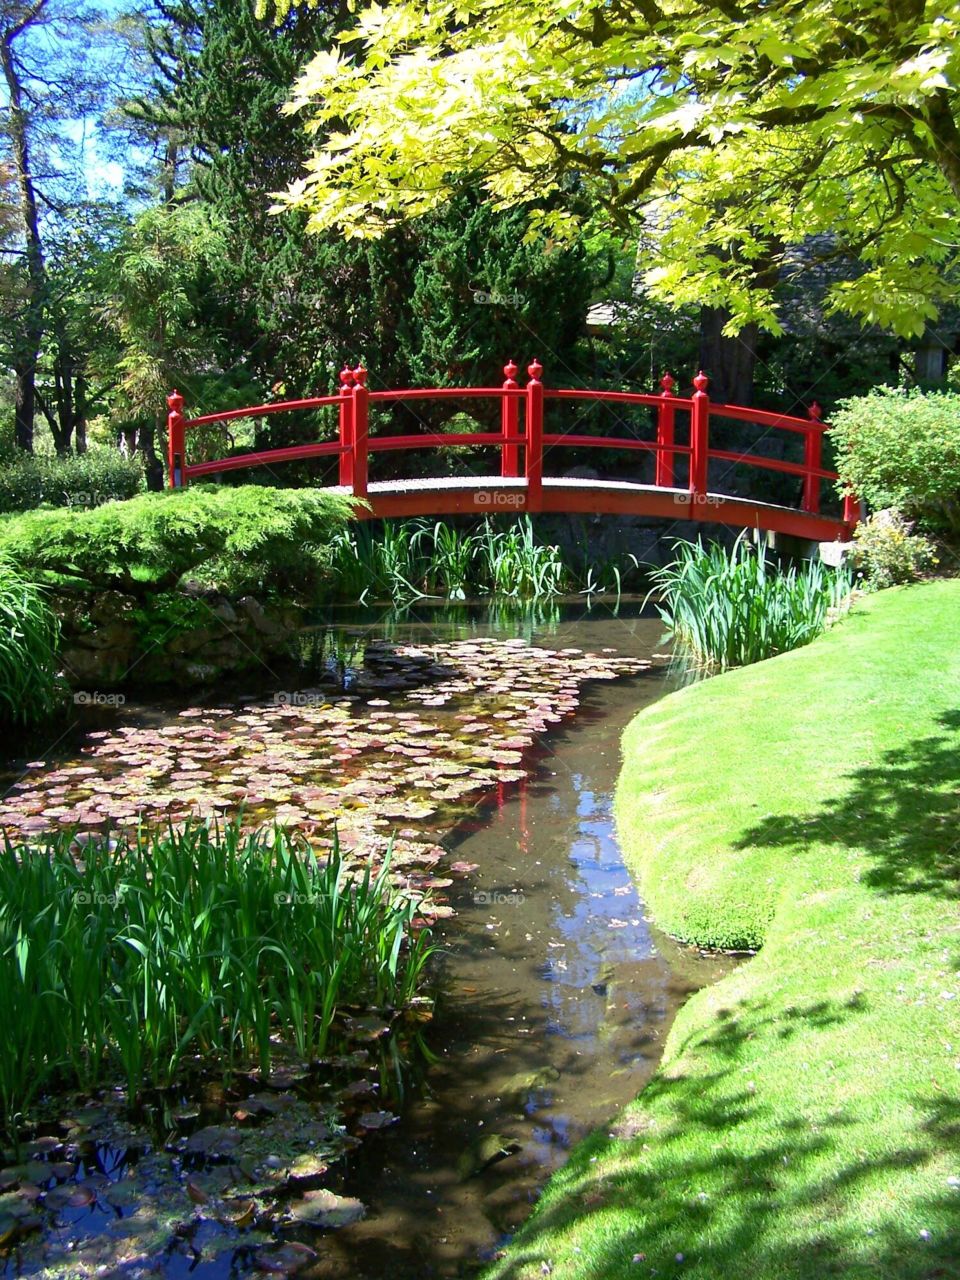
[815, 411]
[360, 375]
[346, 376]
[701, 381]
[535, 368]
[668, 382]
[175, 402]
[510, 370]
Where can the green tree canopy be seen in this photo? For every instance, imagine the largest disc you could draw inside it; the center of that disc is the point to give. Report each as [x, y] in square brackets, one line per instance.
[727, 132]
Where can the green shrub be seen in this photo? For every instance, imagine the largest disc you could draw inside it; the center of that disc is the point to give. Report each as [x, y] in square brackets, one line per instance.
[121, 959]
[888, 552]
[901, 449]
[29, 635]
[78, 480]
[236, 539]
[731, 608]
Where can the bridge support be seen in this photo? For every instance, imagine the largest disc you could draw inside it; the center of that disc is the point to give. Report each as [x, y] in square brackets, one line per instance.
[534, 438]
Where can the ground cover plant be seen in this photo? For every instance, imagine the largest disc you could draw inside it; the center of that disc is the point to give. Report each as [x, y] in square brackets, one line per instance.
[727, 608]
[803, 1123]
[239, 539]
[29, 632]
[127, 958]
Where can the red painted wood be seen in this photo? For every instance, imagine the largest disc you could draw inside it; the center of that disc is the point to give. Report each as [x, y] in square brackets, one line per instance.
[699, 435]
[361, 429]
[346, 427]
[260, 410]
[813, 460]
[665, 433]
[510, 423]
[354, 444]
[534, 438]
[264, 458]
[176, 439]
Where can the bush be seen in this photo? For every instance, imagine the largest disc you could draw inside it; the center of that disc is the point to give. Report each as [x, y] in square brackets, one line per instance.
[901, 449]
[78, 480]
[731, 608]
[234, 539]
[29, 635]
[888, 552]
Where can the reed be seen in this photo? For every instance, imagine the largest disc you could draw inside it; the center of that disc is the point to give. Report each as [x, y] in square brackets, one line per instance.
[128, 958]
[730, 608]
[29, 635]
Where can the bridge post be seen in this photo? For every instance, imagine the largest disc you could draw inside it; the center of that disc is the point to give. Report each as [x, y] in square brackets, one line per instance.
[534, 439]
[813, 459]
[346, 427]
[509, 421]
[700, 436]
[176, 440]
[665, 434]
[361, 424]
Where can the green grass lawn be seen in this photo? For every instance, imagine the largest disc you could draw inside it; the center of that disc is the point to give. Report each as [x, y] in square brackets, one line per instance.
[806, 1119]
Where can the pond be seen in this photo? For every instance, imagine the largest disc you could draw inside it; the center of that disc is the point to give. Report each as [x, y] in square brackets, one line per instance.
[554, 993]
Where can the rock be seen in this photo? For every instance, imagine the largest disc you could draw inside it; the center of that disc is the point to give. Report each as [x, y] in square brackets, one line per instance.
[482, 1152]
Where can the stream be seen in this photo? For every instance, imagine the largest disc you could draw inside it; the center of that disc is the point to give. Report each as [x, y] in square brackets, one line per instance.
[558, 992]
[554, 992]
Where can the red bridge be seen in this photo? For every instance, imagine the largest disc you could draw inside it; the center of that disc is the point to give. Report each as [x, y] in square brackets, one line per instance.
[680, 441]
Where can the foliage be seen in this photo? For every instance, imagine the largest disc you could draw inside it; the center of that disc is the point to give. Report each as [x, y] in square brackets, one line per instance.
[401, 560]
[76, 480]
[730, 608]
[247, 538]
[901, 449]
[798, 806]
[888, 552]
[133, 957]
[739, 134]
[293, 306]
[29, 635]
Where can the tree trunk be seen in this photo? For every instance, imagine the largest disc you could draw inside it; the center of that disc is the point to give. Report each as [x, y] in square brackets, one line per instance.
[146, 440]
[27, 349]
[80, 413]
[728, 362]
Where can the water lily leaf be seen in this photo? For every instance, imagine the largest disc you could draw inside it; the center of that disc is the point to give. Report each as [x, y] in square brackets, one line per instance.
[284, 1259]
[325, 1209]
[372, 1120]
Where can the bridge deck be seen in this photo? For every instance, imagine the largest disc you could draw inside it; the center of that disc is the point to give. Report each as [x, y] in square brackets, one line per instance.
[476, 495]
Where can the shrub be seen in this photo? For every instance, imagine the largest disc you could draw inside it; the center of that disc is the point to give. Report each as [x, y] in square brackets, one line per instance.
[29, 635]
[901, 449]
[122, 958]
[236, 539]
[731, 608]
[887, 551]
[78, 480]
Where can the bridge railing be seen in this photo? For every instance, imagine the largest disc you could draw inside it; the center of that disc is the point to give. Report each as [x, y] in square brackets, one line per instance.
[522, 439]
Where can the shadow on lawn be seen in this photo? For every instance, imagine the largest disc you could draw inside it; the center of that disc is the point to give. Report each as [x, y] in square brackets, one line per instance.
[904, 813]
[729, 1208]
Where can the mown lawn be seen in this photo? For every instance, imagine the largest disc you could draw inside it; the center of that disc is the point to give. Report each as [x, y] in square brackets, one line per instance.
[806, 1120]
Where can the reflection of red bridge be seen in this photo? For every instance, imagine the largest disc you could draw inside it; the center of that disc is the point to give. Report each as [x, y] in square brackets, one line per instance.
[682, 442]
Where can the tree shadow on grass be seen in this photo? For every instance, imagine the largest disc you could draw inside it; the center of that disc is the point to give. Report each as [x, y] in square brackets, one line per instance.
[709, 1181]
[904, 813]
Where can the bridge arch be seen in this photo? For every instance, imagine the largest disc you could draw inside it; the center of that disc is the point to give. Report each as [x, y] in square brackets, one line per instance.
[680, 442]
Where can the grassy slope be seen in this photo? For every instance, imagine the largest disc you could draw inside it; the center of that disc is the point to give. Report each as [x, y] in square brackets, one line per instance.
[806, 1119]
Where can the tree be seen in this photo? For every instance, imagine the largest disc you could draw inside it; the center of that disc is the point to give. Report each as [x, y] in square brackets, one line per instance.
[291, 306]
[731, 131]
